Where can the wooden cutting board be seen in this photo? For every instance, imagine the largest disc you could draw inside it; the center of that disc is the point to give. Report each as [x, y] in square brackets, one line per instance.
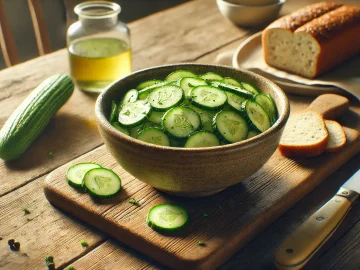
[223, 222]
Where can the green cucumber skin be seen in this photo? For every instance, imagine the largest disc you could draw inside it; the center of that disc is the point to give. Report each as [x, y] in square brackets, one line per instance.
[96, 196]
[33, 115]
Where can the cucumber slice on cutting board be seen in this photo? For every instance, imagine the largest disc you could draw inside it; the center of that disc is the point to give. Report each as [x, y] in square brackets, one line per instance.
[75, 174]
[167, 218]
[102, 183]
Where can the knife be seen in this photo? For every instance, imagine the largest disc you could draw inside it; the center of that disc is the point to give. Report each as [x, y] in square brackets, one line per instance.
[310, 236]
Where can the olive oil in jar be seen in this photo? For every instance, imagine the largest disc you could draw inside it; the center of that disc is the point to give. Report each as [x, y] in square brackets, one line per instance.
[97, 62]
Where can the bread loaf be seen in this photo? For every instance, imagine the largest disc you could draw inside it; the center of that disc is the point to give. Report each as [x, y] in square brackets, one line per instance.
[305, 135]
[313, 40]
[337, 137]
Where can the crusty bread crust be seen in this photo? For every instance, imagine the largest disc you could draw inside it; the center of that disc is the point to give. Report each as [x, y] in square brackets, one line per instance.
[303, 16]
[337, 137]
[336, 31]
[297, 148]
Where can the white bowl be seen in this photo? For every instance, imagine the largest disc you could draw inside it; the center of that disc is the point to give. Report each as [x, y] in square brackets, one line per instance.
[249, 16]
[253, 2]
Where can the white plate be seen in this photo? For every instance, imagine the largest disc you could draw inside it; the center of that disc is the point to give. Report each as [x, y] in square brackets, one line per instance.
[247, 51]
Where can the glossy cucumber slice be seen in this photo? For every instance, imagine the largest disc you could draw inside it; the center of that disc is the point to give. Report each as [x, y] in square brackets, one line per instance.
[134, 113]
[205, 116]
[211, 76]
[114, 112]
[166, 97]
[130, 96]
[187, 84]
[176, 75]
[231, 81]
[268, 105]
[167, 218]
[234, 89]
[156, 117]
[250, 88]
[75, 174]
[102, 183]
[256, 115]
[252, 133]
[231, 126]
[202, 138]
[154, 136]
[143, 94]
[180, 122]
[208, 97]
[120, 128]
[147, 84]
[235, 101]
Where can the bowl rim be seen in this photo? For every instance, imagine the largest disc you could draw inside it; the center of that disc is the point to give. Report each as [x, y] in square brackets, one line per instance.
[279, 3]
[279, 124]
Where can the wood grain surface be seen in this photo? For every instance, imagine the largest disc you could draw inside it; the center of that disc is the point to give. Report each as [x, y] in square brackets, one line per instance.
[235, 215]
[166, 37]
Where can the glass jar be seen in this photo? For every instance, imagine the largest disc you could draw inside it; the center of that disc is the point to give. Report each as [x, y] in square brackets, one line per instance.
[98, 45]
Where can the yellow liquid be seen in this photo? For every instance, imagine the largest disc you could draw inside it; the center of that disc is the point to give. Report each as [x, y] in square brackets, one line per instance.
[97, 62]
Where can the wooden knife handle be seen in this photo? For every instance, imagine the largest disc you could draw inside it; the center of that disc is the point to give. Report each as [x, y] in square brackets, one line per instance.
[302, 244]
[330, 106]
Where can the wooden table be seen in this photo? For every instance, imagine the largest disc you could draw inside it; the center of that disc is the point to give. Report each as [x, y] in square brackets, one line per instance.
[192, 32]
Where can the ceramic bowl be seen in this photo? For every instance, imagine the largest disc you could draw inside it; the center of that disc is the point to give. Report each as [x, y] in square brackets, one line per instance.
[190, 172]
[249, 16]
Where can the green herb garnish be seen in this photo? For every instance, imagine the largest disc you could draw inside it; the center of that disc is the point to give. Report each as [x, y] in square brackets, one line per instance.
[84, 243]
[49, 260]
[200, 243]
[51, 155]
[70, 268]
[205, 214]
[134, 202]
[26, 211]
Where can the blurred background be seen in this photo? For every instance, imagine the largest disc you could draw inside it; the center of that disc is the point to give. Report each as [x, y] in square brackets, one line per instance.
[30, 28]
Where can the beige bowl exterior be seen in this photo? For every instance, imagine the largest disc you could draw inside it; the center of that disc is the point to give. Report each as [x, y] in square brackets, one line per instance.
[191, 172]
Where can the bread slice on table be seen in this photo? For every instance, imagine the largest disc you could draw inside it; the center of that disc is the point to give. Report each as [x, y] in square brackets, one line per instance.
[314, 39]
[305, 135]
[337, 137]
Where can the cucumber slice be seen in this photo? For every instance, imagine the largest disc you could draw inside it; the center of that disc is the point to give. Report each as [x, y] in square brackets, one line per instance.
[231, 126]
[149, 124]
[134, 113]
[234, 89]
[202, 138]
[231, 81]
[166, 97]
[252, 133]
[147, 84]
[205, 116]
[102, 183]
[189, 83]
[180, 122]
[174, 76]
[250, 88]
[256, 115]
[114, 112]
[208, 97]
[167, 218]
[143, 94]
[134, 131]
[211, 76]
[268, 105]
[75, 174]
[234, 101]
[130, 96]
[156, 117]
[120, 128]
[154, 136]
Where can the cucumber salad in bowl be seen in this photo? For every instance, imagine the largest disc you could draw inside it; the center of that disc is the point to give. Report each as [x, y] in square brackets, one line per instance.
[192, 111]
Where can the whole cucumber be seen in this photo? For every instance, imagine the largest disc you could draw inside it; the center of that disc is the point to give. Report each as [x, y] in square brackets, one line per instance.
[33, 115]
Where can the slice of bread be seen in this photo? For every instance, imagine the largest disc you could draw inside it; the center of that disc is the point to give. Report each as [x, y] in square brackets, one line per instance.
[305, 135]
[337, 137]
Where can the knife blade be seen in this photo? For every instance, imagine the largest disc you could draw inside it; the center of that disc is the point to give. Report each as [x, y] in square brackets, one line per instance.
[299, 247]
